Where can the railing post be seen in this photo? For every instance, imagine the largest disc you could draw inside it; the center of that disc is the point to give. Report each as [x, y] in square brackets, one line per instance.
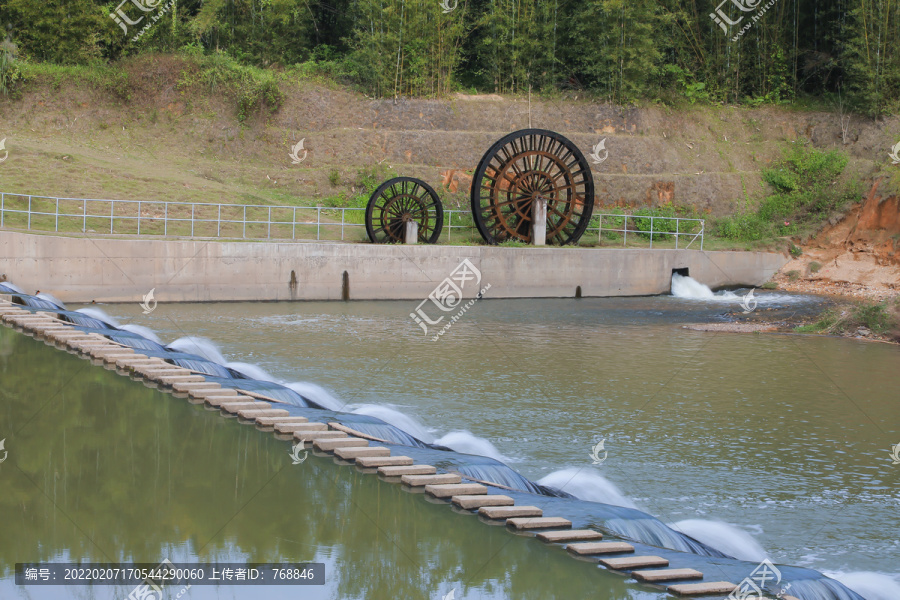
[2, 206]
[625, 233]
[269, 229]
[139, 217]
[651, 233]
[56, 227]
[192, 220]
[244, 232]
[84, 216]
[318, 222]
[294, 225]
[343, 212]
[702, 231]
[677, 229]
[112, 214]
[166, 219]
[29, 212]
[219, 222]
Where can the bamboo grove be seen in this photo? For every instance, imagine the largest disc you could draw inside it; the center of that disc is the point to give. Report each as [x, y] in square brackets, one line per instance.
[736, 51]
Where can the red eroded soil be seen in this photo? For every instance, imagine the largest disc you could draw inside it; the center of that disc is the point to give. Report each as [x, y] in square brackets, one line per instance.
[858, 256]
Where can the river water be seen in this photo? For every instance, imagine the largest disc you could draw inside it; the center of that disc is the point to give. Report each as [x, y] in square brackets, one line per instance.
[759, 445]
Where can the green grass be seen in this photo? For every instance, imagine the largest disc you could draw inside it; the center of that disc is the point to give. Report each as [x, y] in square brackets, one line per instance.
[881, 318]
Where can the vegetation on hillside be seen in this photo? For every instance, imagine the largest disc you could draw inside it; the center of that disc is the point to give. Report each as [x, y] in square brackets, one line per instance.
[842, 53]
[805, 189]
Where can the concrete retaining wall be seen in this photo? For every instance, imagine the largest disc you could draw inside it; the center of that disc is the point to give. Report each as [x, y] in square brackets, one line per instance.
[80, 269]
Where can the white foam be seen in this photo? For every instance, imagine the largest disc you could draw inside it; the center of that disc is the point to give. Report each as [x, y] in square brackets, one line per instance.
[317, 394]
[200, 346]
[142, 331]
[870, 585]
[396, 418]
[10, 285]
[587, 485]
[51, 298]
[466, 443]
[99, 314]
[688, 287]
[252, 371]
[722, 536]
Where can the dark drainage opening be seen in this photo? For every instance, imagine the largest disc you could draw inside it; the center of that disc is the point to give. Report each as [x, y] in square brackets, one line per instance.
[685, 272]
[578, 291]
[345, 287]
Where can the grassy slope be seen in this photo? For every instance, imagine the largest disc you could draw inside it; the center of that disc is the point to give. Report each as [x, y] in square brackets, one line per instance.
[166, 128]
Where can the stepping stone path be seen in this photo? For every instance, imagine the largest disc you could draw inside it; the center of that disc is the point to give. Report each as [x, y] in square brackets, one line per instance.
[353, 446]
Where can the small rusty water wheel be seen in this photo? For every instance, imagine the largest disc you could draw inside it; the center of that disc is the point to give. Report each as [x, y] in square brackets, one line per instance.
[518, 169]
[399, 200]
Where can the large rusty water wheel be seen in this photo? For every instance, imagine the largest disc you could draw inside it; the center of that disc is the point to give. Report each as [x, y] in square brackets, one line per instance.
[398, 201]
[522, 167]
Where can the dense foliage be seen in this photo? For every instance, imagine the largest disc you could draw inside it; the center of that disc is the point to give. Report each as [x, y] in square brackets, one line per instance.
[804, 189]
[840, 51]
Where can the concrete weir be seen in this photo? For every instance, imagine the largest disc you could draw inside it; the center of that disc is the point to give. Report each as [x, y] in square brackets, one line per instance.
[124, 270]
[678, 572]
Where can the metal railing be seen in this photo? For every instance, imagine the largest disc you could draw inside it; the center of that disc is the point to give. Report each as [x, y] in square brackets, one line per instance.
[207, 220]
[659, 227]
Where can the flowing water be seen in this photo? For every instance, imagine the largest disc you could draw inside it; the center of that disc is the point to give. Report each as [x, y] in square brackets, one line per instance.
[757, 445]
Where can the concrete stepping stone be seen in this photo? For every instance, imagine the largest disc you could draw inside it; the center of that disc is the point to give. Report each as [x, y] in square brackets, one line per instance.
[509, 512]
[218, 401]
[113, 357]
[255, 414]
[311, 436]
[400, 471]
[140, 360]
[634, 562]
[282, 427]
[272, 421]
[573, 535]
[422, 480]
[655, 575]
[172, 379]
[384, 460]
[448, 490]
[332, 445]
[188, 386]
[701, 589]
[206, 393]
[477, 501]
[235, 407]
[591, 548]
[358, 454]
[539, 523]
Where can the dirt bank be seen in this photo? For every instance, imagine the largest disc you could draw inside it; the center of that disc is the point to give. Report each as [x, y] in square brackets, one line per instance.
[857, 257]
